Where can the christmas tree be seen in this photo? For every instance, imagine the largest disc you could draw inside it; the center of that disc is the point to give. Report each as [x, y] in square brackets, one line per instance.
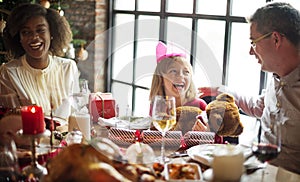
[5, 7]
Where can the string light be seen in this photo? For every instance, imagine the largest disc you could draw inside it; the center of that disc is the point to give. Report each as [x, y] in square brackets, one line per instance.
[82, 54]
[59, 10]
[2, 24]
[45, 4]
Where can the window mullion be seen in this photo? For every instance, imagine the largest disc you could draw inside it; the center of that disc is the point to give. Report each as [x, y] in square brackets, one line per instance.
[135, 35]
[226, 51]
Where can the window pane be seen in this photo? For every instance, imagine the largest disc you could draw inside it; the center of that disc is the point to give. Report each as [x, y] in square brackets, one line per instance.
[122, 19]
[124, 4]
[123, 48]
[145, 62]
[209, 51]
[149, 5]
[180, 6]
[244, 71]
[123, 95]
[142, 104]
[246, 8]
[123, 64]
[148, 27]
[147, 33]
[179, 32]
[206, 71]
[251, 127]
[212, 7]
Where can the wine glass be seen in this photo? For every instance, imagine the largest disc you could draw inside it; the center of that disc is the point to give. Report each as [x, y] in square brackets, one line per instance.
[163, 118]
[267, 146]
[9, 167]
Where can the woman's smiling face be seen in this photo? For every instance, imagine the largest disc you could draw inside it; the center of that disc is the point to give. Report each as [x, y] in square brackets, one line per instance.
[35, 37]
[177, 79]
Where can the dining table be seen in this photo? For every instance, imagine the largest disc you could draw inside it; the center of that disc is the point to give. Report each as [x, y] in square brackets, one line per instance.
[267, 174]
[260, 174]
[174, 149]
[177, 154]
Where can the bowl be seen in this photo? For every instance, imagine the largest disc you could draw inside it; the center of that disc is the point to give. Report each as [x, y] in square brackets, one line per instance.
[182, 172]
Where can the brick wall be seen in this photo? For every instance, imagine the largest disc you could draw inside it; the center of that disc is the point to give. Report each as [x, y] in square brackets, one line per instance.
[89, 18]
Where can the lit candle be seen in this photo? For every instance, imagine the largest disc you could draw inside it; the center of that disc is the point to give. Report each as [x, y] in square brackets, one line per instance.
[32, 120]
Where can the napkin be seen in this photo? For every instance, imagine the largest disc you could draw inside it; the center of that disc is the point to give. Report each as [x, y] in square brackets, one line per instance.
[126, 123]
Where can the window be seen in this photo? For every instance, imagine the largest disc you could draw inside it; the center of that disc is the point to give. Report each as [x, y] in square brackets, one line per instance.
[213, 32]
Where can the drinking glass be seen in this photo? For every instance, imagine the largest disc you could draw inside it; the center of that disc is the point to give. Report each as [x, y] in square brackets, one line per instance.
[267, 146]
[9, 168]
[79, 102]
[163, 118]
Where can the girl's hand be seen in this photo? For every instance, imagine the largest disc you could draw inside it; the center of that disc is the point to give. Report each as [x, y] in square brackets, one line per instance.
[200, 124]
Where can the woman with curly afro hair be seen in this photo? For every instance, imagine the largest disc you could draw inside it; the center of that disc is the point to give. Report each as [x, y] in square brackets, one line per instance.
[34, 38]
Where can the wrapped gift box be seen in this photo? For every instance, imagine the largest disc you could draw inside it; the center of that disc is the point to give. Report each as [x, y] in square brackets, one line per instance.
[102, 105]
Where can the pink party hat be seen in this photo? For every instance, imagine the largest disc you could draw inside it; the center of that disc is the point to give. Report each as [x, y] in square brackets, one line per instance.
[163, 51]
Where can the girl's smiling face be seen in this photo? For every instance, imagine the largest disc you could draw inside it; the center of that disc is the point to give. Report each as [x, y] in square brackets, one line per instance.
[177, 79]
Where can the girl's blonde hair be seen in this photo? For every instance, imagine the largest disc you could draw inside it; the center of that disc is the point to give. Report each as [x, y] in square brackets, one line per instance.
[157, 86]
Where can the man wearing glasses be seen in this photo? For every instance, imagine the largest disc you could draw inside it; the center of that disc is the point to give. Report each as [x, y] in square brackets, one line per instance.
[275, 41]
[275, 35]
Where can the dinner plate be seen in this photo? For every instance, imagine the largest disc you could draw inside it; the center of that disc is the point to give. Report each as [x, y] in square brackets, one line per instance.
[43, 152]
[204, 153]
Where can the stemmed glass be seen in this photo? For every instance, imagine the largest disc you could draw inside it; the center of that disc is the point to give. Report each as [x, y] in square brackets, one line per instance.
[163, 118]
[267, 146]
[35, 170]
[9, 168]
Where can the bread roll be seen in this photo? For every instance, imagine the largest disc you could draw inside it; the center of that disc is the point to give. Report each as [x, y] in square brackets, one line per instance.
[186, 116]
[224, 117]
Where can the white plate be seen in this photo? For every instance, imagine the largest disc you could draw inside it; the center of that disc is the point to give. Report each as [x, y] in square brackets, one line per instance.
[204, 153]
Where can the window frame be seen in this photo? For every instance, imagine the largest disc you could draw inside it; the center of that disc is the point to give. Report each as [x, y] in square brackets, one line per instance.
[163, 14]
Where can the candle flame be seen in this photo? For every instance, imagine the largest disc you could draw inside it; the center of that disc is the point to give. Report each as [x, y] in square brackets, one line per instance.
[33, 110]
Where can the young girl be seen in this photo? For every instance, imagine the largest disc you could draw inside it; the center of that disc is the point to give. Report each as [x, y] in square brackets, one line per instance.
[173, 77]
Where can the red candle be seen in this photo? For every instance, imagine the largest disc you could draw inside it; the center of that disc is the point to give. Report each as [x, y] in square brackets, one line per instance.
[32, 120]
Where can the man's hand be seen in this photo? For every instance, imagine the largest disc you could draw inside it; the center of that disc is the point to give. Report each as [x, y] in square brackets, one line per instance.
[208, 91]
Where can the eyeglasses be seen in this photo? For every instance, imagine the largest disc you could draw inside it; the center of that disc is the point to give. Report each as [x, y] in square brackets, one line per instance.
[253, 42]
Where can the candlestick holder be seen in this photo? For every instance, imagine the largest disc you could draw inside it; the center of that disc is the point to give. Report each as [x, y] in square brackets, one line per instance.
[35, 169]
